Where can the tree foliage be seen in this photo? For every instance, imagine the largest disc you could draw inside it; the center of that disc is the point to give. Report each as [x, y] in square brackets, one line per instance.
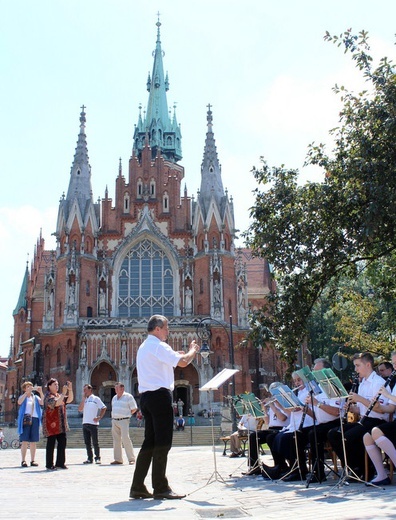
[315, 234]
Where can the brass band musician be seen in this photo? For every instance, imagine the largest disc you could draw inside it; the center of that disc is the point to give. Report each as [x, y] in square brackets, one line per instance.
[383, 437]
[354, 432]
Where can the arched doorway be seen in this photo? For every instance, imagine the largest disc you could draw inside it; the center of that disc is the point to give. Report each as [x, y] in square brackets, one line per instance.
[186, 387]
[103, 378]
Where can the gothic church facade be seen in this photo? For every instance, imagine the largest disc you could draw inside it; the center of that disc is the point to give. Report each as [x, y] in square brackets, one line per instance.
[83, 309]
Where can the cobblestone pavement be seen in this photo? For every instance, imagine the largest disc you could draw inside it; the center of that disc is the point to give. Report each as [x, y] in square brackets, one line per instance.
[214, 486]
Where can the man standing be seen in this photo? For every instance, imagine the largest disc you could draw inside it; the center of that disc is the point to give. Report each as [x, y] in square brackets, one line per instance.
[123, 405]
[155, 363]
[93, 410]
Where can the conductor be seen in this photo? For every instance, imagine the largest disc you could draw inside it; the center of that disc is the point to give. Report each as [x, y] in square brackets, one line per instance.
[155, 363]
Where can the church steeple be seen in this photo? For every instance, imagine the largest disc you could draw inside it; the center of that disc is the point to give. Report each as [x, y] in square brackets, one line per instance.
[163, 133]
[211, 182]
[80, 187]
[22, 302]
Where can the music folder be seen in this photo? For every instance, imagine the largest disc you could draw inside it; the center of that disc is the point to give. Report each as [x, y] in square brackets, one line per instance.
[286, 397]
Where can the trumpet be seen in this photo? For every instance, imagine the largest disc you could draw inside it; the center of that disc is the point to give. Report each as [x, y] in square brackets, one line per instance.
[374, 401]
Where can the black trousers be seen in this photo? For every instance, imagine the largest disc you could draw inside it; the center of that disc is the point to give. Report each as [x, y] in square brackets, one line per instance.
[354, 446]
[283, 448]
[157, 409]
[60, 450]
[90, 432]
[321, 437]
[257, 438]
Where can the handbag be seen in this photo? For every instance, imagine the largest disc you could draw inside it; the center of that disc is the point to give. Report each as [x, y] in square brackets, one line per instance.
[27, 419]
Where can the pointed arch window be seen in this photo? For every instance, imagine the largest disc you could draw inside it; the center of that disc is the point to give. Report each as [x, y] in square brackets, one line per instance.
[165, 203]
[152, 188]
[139, 189]
[145, 282]
[126, 203]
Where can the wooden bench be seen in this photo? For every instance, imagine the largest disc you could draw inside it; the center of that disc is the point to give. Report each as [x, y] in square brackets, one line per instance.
[226, 439]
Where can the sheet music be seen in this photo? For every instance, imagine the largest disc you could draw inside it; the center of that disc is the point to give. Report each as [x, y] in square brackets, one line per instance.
[218, 379]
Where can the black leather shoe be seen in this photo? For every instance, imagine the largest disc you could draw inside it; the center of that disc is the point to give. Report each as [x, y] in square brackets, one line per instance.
[294, 477]
[255, 471]
[272, 473]
[168, 495]
[140, 493]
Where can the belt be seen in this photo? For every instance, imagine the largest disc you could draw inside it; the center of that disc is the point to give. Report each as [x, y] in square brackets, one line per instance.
[121, 418]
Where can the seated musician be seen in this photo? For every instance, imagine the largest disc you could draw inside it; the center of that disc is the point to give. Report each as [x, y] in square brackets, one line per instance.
[327, 416]
[283, 444]
[275, 420]
[353, 432]
[383, 437]
[246, 425]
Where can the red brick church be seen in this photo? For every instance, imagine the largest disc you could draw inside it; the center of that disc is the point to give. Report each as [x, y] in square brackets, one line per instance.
[83, 309]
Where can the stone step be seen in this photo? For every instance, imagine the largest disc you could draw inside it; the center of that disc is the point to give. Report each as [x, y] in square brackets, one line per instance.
[195, 436]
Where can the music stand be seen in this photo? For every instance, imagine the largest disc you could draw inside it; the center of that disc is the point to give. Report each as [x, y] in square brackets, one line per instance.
[214, 384]
[248, 404]
[288, 399]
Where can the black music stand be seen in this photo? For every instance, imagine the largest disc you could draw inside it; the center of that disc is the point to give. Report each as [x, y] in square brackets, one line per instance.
[211, 385]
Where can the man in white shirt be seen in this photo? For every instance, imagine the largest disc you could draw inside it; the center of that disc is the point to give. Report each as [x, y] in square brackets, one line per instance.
[354, 432]
[246, 425]
[123, 405]
[93, 410]
[156, 361]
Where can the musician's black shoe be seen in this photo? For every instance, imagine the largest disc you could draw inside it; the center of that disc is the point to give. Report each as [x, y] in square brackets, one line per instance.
[385, 482]
[255, 471]
[294, 477]
[273, 473]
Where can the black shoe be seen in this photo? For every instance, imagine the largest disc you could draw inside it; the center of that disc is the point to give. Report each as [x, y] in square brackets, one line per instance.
[24, 465]
[385, 482]
[97, 460]
[234, 455]
[61, 467]
[168, 495]
[272, 473]
[255, 471]
[140, 493]
[88, 461]
[294, 477]
[33, 463]
[51, 468]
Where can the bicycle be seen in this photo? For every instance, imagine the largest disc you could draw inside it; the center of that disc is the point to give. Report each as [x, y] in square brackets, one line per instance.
[4, 445]
[15, 444]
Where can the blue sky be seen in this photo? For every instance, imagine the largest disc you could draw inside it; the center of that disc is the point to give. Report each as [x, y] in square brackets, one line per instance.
[262, 65]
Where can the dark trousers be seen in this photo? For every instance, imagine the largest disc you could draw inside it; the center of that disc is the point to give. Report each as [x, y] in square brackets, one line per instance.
[317, 456]
[60, 450]
[283, 448]
[255, 440]
[90, 432]
[354, 446]
[157, 409]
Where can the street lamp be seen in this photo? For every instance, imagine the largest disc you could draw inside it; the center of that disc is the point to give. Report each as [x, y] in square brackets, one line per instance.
[204, 333]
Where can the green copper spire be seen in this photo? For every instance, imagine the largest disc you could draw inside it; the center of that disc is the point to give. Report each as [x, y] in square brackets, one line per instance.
[163, 133]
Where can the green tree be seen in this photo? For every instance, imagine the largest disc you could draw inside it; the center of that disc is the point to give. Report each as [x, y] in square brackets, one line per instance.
[320, 232]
